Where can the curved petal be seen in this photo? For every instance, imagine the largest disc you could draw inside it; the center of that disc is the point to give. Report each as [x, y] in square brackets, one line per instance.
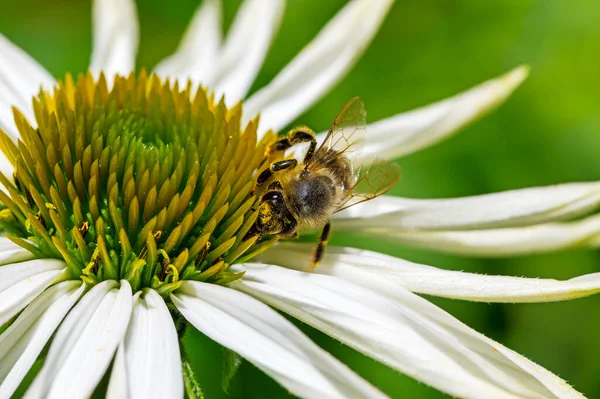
[23, 341]
[21, 71]
[118, 384]
[12, 253]
[196, 57]
[8, 101]
[319, 66]
[116, 36]
[21, 78]
[371, 269]
[246, 46]
[405, 332]
[7, 124]
[415, 130]
[21, 283]
[540, 238]
[268, 340]
[150, 352]
[504, 209]
[85, 343]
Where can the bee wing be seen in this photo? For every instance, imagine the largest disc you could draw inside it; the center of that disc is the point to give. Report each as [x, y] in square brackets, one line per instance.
[346, 135]
[371, 181]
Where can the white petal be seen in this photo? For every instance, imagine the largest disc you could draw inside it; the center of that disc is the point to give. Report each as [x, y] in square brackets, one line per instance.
[196, 56]
[500, 242]
[319, 66]
[406, 333]
[246, 46]
[116, 36]
[23, 341]
[118, 384]
[21, 70]
[85, 343]
[151, 351]
[8, 100]
[268, 340]
[415, 130]
[21, 283]
[12, 253]
[21, 78]
[371, 269]
[22, 73]
[505, 209]
[7, 124]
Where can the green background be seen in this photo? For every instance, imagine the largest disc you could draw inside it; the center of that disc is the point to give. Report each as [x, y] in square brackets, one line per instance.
[548, 132]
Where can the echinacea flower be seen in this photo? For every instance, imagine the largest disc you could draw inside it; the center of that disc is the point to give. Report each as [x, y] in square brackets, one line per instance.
[517, 222]
[128, 198]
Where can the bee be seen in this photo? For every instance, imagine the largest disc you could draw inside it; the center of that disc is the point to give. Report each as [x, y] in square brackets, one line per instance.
[307, 194]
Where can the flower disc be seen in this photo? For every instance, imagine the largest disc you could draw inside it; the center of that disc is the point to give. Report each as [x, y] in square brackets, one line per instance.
[143, 181]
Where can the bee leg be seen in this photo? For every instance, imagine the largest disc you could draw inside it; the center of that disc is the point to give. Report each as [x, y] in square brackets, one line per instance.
[274, 186]
[266, 174]
[294, 138]
[311, 149]
[320, 249]
[253, 232]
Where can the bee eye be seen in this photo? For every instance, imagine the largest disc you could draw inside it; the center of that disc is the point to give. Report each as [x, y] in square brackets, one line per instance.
[273, 196]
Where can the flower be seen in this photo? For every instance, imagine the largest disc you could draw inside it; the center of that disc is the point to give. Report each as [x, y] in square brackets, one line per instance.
[516, 222]
[122, 180]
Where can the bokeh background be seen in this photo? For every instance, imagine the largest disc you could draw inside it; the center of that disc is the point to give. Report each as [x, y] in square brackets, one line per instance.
[548, 132]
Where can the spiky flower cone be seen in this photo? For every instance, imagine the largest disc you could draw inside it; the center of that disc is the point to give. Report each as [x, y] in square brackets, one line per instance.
[143, 181]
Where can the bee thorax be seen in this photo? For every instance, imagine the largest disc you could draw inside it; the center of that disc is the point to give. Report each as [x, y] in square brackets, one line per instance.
[312, 199]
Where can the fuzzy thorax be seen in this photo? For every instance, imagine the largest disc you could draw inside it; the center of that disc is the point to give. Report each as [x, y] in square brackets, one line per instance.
[144, 181]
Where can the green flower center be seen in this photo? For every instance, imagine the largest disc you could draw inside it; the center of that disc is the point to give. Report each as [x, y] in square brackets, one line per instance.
[145, 182]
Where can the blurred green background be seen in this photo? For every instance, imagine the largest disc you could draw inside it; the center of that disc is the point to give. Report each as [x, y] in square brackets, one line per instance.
[548, 132]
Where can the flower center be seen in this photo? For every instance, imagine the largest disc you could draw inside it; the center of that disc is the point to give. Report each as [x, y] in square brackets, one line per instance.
[145, 181]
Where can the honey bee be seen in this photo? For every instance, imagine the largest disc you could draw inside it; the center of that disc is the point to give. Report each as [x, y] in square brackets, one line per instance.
[307, 194]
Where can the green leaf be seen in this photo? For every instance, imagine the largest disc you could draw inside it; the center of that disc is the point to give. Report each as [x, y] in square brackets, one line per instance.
[192, 388]
[231, 364]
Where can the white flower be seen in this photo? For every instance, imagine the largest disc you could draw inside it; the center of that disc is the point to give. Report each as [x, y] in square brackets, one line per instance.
[516, 222]
[104, 313]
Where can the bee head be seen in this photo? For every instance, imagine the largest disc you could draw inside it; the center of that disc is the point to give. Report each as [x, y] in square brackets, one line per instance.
[273, 215]
[271, 207]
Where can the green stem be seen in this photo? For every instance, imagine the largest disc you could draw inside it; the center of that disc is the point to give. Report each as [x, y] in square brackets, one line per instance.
[191, 385]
